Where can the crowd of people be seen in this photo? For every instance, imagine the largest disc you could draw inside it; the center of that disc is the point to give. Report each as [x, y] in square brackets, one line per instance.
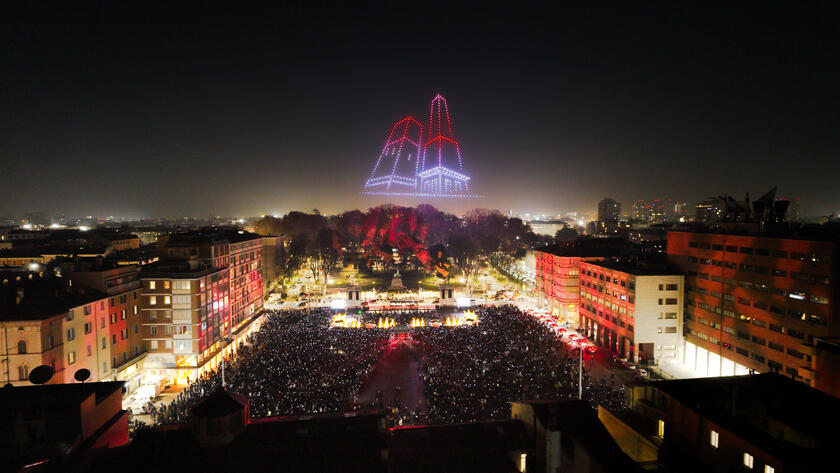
[296, 364]
[472, 372]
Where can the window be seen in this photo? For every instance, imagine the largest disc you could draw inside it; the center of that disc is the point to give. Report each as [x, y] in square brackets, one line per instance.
[21, 347]
[71, 333]
[71, 358]
[746, 250]
[113, 318]
[660, 428]
[89, 350]
[153, 330]
[166, 284]
[151, 284]
[748, 460]
[152, 300]
[670, 301]
[104, 343]
[23, 372]
[714, 439]
[122, 314]
[167, 299]
[69, 316]
[88, 327]
[670, 287]
[769, 469]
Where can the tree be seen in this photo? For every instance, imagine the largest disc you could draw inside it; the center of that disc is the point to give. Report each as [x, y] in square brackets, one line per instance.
[467, 254]
[290, 257]
[268, 225]
[324, 252]
[566, 233]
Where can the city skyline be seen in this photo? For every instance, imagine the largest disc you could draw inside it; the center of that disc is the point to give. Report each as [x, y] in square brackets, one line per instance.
[120, 112]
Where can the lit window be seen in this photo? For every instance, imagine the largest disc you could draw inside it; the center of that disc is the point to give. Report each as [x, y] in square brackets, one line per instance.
[152, 300]
[660, 428]
[714, 439]
[151, 284]
[769, 469]
[523, 461]
[748, 460]
[166, 300]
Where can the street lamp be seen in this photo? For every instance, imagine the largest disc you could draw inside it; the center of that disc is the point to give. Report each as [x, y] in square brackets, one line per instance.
[226, 340]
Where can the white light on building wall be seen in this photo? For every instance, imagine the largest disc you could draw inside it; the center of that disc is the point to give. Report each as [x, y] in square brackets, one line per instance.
[84, 228]
[33, 266]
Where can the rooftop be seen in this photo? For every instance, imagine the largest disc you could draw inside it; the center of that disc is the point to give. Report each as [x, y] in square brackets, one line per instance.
[828, 232]
[41, 297]
[55, 395]
[748, 405]
[334, 442]
[176, 270]
[577, 419]
[590, 247]
[636, 268]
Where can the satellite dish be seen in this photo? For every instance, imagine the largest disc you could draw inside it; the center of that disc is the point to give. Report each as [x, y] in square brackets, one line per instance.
[8, 385]
[41, 374]
[81, 375]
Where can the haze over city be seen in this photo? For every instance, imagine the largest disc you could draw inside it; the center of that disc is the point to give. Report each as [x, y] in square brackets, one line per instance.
[419, 237]
[124, 111]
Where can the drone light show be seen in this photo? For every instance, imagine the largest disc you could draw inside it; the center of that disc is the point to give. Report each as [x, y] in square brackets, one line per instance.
[414, 164]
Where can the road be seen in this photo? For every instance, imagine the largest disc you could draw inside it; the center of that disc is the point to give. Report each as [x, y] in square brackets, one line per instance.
[398, 367]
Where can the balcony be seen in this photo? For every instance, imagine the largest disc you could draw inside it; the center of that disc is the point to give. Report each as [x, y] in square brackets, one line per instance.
[806, 372]
[808, 349]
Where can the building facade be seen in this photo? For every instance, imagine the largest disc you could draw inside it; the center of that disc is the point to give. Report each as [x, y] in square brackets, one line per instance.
[756, 303]
[634, 312]
[609, 210]
[557, 273]
[185, 311]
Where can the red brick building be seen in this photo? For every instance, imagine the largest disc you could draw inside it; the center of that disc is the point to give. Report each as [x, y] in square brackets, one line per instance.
[757, 302]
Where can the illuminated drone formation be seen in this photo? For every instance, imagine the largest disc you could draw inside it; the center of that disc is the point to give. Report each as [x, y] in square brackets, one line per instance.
[412, 164]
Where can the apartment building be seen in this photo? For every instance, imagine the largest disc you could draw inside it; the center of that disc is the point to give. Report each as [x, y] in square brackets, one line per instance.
[116, 319]
[558, 272]
[634, 311]
[764, 423]
[757, 303]
[185, 311]
[44, 321]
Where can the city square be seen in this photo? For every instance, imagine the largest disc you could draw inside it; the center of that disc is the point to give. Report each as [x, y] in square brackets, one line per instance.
[537, 237]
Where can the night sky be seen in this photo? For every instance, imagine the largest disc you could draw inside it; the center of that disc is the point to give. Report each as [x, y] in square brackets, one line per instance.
[132, 111]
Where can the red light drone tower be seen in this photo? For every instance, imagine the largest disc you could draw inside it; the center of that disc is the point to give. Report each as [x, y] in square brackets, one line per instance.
[414, 165]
